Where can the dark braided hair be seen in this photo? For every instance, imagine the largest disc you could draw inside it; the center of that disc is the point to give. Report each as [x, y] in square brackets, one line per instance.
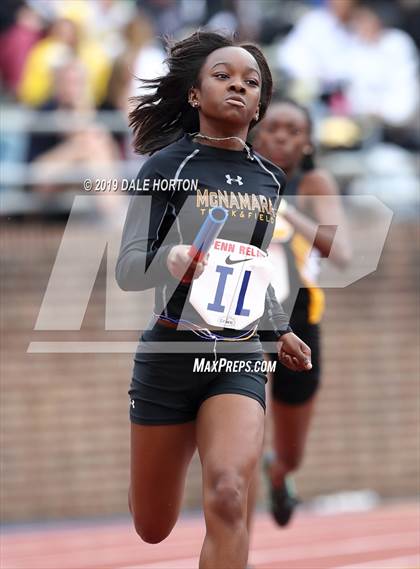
[164, 115]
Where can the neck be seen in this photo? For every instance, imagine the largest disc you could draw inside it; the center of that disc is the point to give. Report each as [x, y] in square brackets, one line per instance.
[290, 171]
[232, 137]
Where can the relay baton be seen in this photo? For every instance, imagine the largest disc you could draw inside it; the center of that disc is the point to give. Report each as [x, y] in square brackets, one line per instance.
[208, 232]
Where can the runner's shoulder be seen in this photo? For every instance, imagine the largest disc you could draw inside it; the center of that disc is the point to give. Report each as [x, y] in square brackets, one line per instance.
[278, 172]
[166, 161]
[318, 182]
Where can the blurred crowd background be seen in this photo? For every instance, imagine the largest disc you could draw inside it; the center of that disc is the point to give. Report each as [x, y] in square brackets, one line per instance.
[67, 71]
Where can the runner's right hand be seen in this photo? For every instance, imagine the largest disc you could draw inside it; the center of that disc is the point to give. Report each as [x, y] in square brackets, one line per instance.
[178, 262]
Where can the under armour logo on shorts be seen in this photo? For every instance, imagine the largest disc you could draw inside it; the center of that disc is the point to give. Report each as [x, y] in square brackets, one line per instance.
[229, 179]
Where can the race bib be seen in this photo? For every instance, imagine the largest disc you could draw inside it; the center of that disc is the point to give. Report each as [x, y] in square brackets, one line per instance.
[231, 291]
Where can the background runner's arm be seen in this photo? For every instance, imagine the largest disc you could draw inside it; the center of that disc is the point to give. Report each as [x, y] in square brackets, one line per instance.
[276, 315]
[323, 200]
[141, 262]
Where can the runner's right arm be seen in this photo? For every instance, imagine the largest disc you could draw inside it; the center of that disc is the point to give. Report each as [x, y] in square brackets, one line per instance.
[142, 263]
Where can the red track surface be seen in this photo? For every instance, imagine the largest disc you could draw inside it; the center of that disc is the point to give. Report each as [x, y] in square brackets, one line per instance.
[384, 538]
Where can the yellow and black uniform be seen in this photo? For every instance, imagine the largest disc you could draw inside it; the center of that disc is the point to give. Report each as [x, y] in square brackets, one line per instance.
[297, 264]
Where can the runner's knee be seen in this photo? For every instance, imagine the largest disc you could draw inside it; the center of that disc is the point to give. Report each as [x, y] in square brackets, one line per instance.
[226, 496]
[291, 462]
[150, 531]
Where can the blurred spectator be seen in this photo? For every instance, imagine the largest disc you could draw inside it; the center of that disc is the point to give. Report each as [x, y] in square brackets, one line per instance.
[149, 55]
[234, 16]
[315, 52]
[358, 71]
[119, 86]
[165, 15]
[90, 145]
[250, 19]
[383, 70]
[221, 16]
[143, 57]
[45, 8]
[106, 22]
[117, 98]
[63, 40]
[21, 29]
[100, 21]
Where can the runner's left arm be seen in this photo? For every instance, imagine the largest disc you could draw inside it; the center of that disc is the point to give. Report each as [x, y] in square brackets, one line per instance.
[276, 314]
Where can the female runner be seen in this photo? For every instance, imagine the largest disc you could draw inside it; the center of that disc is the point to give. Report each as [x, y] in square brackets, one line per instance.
[284, 137]
[195, 123]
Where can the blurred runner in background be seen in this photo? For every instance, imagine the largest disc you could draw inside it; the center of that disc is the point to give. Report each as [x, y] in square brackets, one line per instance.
[302, 235]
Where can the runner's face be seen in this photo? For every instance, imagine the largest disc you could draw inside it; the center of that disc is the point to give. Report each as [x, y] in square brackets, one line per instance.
[283, 136]
[230, 88]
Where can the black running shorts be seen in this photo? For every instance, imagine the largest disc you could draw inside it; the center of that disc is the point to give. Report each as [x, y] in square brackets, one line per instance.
[292, 387]
[168, 388]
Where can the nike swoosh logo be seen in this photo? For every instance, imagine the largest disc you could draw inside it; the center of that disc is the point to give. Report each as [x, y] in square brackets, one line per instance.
[229, 261]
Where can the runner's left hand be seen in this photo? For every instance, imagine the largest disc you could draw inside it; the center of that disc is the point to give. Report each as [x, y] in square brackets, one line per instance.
[293, 353]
